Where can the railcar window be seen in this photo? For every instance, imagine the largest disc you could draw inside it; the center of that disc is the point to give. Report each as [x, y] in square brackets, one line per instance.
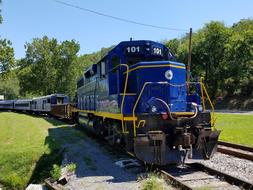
[102, 72]
[6, 105]
[48, 100]
[59, 100]
[22, 105]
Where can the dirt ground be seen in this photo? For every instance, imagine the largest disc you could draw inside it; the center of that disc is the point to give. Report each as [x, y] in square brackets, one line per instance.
[96, 167]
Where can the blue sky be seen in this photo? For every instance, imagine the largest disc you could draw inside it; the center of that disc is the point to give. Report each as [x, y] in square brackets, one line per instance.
[28, 19]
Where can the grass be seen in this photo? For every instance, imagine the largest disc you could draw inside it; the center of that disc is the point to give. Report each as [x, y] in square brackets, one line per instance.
[153, 183]
[235, 128]
[29, 146]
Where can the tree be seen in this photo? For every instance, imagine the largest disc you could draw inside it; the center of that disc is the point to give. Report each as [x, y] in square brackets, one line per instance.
[1, 18]
[40, 74]
[239, 59]
[173, 45]
[49, 67]
[67, 68]
[9, 86]
[208, 46]
[210, 52]
[7, 61]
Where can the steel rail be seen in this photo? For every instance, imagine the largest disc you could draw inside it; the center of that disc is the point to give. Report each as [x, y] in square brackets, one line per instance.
[236, 146]
[228, 178]
[236, 150]
[171, 179]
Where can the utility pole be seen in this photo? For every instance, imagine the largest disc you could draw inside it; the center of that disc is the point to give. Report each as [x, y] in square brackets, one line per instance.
[189, 58]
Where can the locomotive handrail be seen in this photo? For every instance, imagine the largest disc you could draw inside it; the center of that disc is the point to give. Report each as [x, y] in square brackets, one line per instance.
[139, 96]
[124, 93]
[210, 102]
[202, 95]
[136, 102]
[204, 92]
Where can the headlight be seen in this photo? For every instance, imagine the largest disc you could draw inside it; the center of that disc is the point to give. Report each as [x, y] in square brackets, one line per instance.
[200, 108]
[153, 109]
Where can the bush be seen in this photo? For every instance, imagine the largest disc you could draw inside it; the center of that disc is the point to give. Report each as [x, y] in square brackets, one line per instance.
[71, 167]
[55, 172]
[153, 183]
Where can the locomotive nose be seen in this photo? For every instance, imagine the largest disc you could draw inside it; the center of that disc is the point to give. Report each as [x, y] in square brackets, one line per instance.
[159, 86]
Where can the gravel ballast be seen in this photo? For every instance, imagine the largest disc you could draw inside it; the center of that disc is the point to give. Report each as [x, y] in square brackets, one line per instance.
[236, 167]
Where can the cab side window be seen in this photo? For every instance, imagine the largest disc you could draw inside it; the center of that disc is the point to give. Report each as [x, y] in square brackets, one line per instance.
[102, 69]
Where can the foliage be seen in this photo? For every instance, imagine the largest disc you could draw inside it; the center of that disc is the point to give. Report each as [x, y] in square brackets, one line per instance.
[1, 18]
[71, 167]
[49, 67]
[236, 128]
[9, 85]
[55, 172]
[222, 55]
[6, 56]
[153, 183]
[53, 67]
[239, 59]
[86, 60]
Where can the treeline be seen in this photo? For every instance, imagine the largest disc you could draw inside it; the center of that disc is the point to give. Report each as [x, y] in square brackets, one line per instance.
[222, 55]
[48, 67]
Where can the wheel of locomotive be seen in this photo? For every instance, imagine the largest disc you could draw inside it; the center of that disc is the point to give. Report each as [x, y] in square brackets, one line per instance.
[114, 133]
[98, 126]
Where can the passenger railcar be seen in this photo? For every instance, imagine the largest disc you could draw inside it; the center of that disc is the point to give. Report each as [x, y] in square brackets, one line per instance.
[22, 104]
[138, 95]
[44, 104]
[6, 104]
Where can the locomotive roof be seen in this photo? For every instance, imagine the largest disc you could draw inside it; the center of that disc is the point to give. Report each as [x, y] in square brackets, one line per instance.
[123, 44]
[133, 42]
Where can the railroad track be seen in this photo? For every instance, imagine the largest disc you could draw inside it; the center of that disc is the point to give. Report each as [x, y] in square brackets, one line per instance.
[199, 176]
[236, 150]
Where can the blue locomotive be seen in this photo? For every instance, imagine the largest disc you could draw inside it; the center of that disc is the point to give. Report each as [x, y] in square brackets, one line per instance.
[138, 95]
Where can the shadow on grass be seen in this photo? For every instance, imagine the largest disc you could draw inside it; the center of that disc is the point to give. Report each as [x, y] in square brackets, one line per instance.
[61, 134]
[45, 164]
[81, 152]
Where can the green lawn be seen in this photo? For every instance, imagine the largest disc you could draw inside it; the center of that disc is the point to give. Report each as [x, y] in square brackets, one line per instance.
[235, 128]
[29, 146]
